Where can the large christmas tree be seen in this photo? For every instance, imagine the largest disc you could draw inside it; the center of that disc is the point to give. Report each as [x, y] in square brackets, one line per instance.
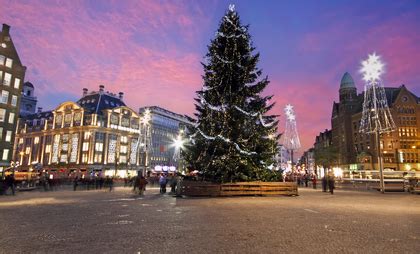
[233, 138]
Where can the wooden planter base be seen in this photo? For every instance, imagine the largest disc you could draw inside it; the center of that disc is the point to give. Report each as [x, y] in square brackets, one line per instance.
[192, 188]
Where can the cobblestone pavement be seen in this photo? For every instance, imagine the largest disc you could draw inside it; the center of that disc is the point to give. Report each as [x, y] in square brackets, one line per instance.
[120, 222]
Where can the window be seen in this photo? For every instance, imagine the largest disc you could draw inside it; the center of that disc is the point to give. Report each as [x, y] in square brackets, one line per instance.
[2, 58]
[9, 62]
[123, 149]
[7, 79]
[99, 147]
[48, 149]
[4, 97]
[11, 118]
[2, 114]
[28, 150]
[8, 136]
[1, 74]
[17, 83]
[85, 146]
[14, 100]
[1, 133]
[5, 154]
[36, 140]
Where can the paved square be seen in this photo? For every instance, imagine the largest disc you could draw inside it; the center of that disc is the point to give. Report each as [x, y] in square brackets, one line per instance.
[120, 222]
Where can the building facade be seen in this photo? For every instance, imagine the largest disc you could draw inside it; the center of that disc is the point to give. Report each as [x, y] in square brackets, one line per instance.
[28, 100]
[96, 133]
[358, 151]
[12, 74]
[166, 126]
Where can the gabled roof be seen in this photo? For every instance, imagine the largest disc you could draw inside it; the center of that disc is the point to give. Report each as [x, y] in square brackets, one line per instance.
[96, 102]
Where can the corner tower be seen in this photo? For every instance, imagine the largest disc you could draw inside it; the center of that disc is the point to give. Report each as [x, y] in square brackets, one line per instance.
[348, 91]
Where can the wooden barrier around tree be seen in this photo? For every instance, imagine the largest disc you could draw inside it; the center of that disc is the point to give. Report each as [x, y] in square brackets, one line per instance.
[193, 188]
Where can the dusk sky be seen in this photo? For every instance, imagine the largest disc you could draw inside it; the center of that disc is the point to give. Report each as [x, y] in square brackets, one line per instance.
[151, 50]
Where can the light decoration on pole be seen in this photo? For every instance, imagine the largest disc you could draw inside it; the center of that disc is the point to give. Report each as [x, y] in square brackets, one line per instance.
[178, 144]
[145, 137]
[376, 116]
[290, 137]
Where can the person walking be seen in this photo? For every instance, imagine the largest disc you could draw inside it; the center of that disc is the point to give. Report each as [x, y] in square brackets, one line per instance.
[162, 183]
[331, 182]
[324, 184]
[111, 184]
[314, 181]
[173, 183]
[75, 183]
[142, 185]
[10, 183]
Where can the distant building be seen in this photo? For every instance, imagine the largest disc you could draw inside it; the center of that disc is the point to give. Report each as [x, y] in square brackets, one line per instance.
[98, 133]
[12, 74]
[308, 160]
[28, 100]
[357, 151]
[165, 127]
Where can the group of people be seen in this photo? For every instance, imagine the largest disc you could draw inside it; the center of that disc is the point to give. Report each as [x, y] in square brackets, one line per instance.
[95, 181]
[303, 180]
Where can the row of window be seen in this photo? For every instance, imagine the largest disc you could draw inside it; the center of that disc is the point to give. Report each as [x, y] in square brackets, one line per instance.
[6, 61]
[5, 98]
[407, 132]
[11, 118]
[7, 80]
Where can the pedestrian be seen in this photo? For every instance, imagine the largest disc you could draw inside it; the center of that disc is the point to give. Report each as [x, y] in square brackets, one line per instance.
[162, 183]
[10, 183]
[331, 182]
[111, 183]
[306, 177]
[142, 185]
[173, 183]
[314, 181]
[75, 183]
[324, 184]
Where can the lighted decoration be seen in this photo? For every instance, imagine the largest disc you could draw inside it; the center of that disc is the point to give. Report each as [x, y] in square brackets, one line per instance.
[56, 143]
[133, 154]
[74, 146]
[376, 115]
[290, 137]
[112, 148]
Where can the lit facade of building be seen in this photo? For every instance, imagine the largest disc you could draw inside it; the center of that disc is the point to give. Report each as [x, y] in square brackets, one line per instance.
[358, 151]
[12, 74]
[96, 133]
[165, 128]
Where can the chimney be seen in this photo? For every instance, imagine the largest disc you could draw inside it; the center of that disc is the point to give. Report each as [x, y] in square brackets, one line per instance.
[39, 109]
[6, 29]
[101, 89]
[85, 91]
[120, 95]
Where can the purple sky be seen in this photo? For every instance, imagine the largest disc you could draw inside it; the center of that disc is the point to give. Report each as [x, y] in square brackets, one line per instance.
[151, 50]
